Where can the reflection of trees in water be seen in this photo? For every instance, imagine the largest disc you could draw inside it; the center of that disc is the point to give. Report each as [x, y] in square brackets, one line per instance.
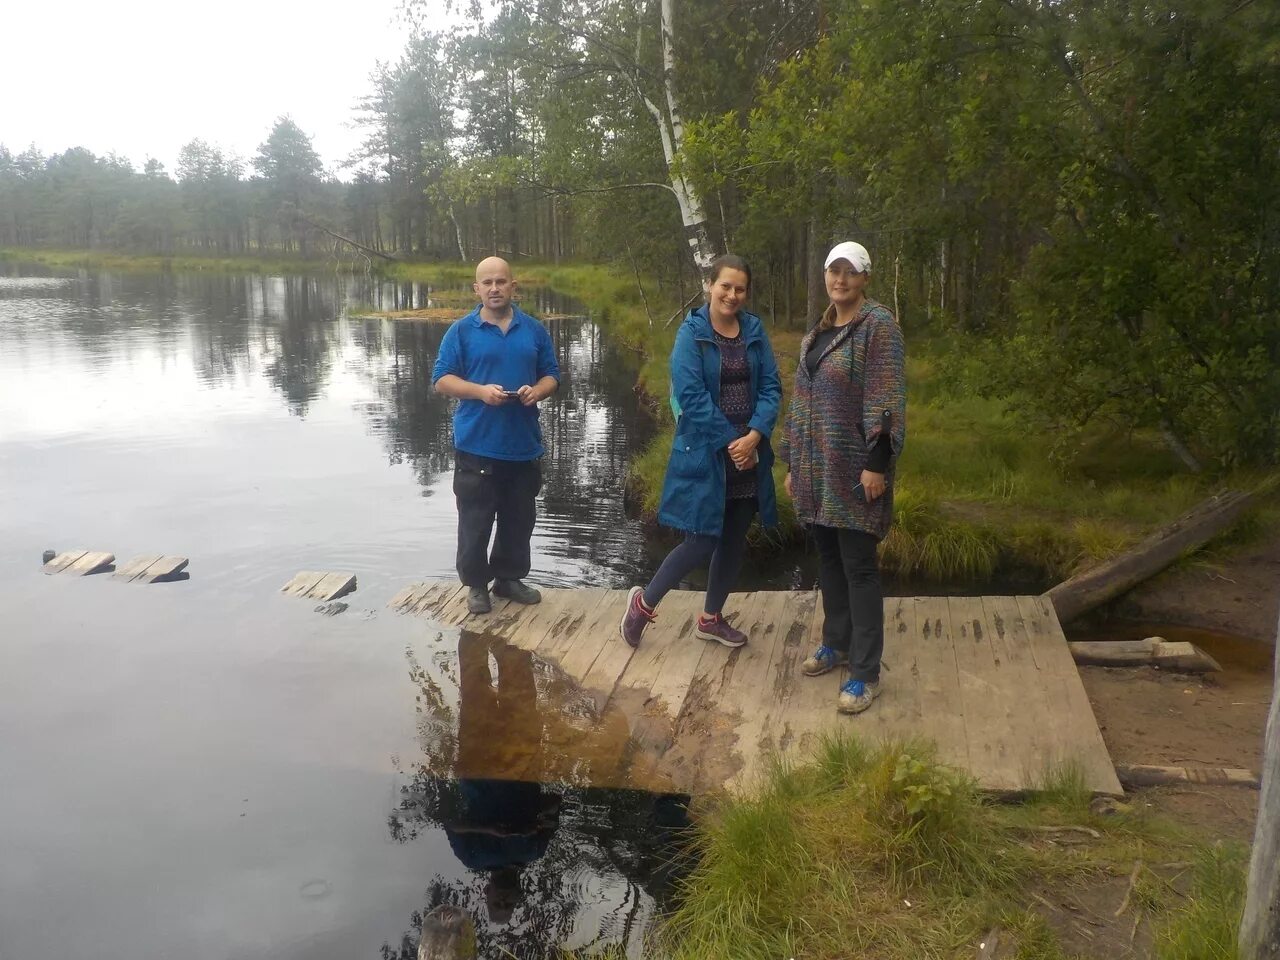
[299, 338]
[548, 865]
[414, 421]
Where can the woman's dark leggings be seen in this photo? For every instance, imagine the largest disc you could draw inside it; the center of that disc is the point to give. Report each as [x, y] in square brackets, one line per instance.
[724, 552]
[852, 600]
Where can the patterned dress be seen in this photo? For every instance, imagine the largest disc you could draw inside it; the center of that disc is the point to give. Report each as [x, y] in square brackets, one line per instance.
[837, 414]
[737, 404]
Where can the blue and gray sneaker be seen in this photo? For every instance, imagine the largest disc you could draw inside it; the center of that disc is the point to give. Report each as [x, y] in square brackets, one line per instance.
[823, 660]
[856, 696]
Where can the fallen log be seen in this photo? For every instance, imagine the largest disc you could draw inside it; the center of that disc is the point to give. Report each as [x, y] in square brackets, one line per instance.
[1153, 651]
[1198, 526]
[1149, 775]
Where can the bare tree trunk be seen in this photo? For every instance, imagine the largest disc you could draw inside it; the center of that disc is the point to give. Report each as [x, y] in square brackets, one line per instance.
[815, 289]
[1260, 926]
[457, 230]
[671, 132]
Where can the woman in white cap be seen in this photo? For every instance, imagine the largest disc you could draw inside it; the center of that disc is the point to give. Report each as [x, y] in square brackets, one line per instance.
[845, 427]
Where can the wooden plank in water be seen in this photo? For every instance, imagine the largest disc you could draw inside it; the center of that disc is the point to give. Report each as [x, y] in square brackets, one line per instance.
[62, 561]
[163, 570]
[136, 567]
[332, 586]
[302, 583]
[91, 562]
[528, 631]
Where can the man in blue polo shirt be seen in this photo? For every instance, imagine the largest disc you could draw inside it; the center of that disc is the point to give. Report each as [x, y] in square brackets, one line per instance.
[498, 362]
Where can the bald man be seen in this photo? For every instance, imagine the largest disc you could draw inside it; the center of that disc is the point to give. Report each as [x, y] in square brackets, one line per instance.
[497, 362]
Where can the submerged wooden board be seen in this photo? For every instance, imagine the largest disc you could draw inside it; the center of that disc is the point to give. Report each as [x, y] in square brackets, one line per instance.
[318, 585]
[989, 680]
[79, 563]
[151, 568]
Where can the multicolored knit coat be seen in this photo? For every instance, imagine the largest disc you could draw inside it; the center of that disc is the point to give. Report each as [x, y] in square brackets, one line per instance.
[837, 414]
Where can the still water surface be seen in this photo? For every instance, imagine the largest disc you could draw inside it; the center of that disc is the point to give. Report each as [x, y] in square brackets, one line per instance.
[208, 769]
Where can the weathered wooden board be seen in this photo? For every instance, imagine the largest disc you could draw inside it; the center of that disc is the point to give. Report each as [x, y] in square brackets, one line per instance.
[151, 568]
[990, 680]
[79, 563]
[318, 585]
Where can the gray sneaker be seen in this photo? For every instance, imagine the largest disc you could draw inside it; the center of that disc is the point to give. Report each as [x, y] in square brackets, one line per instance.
[517, 591]
[823, 660]
[478, 600]
[856, 695]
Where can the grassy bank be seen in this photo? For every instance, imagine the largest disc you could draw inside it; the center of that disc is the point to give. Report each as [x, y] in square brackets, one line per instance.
[978, 493]
[108, 260]
[880, 852]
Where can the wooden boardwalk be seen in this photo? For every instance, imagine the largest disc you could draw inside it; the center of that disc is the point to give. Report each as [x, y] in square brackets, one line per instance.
[989, 679]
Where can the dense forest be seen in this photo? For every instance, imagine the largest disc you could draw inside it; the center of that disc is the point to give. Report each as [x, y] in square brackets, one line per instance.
[1083, 191]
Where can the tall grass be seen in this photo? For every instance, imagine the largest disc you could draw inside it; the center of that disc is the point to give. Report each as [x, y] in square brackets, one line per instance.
[879, 851]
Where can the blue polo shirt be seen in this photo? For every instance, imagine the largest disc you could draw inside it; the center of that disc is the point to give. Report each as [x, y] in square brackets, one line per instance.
[480, 353]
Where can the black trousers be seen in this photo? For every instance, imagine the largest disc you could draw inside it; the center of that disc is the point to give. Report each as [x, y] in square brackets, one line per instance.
[488, 490]
[852, 598]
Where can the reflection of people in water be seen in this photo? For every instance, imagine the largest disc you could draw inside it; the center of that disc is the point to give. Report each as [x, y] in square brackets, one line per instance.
[504, 820]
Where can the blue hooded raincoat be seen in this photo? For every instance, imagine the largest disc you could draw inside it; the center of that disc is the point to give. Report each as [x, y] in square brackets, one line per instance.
[694, 489]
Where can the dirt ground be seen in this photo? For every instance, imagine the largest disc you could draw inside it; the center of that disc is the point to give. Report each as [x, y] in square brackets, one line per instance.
[1238, 595]
[1150, 716]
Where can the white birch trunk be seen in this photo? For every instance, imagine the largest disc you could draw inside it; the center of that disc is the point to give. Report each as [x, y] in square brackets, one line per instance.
[1260, 926]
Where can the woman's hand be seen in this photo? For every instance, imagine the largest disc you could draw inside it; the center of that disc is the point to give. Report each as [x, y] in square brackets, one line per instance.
[786, 484]
[743, 450]
[872, 484]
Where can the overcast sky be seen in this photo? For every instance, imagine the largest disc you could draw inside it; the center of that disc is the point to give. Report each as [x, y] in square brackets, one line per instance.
[143, 77]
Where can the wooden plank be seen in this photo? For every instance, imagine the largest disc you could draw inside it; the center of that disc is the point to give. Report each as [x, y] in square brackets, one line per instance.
[62, 561]
[1037, 697]
[1170, 654]
[1150, 775]
[896, 713]
[301, 583]
[987, 709]
[670, 652]
[135, 567]
[813, 703]
[407, 596]
[1074, 713]
[943, 715]
[163, 570]
[526, 628]
[332, 586]
[437, 599]
[785, 677]
[90, 563]
[593, 635]
[560, 639]
[751, 688]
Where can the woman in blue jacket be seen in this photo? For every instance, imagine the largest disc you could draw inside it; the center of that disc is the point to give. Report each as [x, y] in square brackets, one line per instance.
[725, 393]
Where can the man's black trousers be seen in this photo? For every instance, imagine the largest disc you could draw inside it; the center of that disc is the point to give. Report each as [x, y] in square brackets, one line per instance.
[488, 490]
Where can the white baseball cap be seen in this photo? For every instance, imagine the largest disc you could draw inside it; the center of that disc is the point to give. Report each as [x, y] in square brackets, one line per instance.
[855, 253]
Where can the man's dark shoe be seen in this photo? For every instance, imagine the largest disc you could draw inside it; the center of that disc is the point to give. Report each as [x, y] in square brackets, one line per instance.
[517, 591]
[478, 600]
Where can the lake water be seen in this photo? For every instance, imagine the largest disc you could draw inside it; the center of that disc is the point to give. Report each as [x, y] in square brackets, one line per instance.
[210, 769]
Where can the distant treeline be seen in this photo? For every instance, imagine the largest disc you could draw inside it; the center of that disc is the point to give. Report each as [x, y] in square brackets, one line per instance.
[1086, 191]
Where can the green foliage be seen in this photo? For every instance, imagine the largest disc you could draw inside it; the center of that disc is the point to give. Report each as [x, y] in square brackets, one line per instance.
[878, 850]
[1207, 923]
